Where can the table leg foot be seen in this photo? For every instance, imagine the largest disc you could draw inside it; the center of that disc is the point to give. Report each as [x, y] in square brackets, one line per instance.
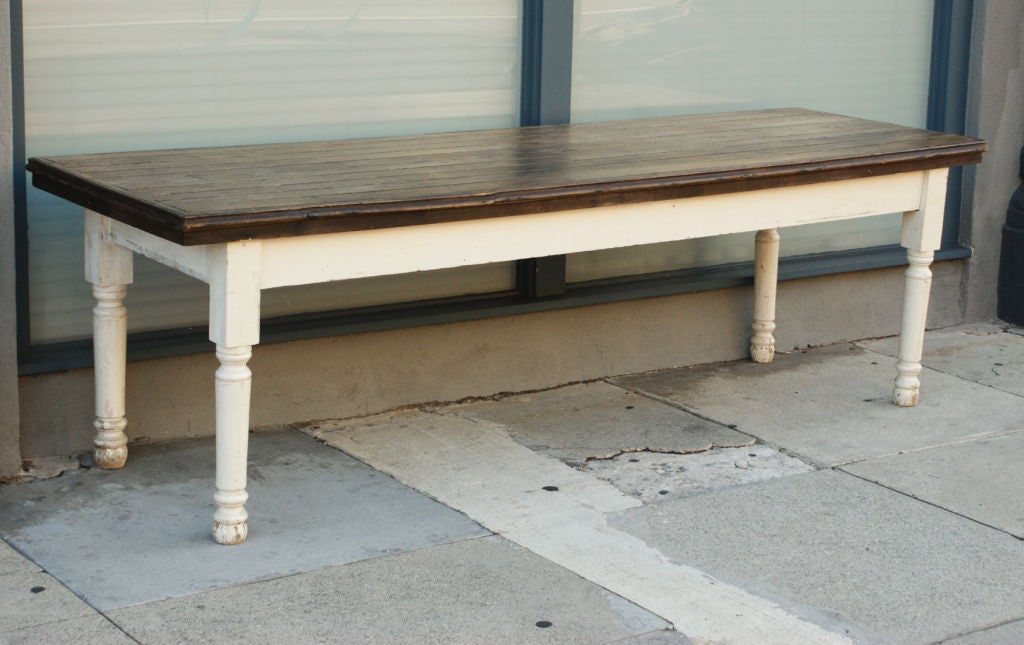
[230, 521]
[110, 450]
[908, 387]
[762, 342]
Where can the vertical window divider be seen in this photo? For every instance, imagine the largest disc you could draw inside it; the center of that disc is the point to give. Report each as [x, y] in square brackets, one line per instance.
[23, 321]
[947, 94]
[544, 99]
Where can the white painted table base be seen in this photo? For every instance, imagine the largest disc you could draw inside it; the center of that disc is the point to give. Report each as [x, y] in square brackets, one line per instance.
[238, 271]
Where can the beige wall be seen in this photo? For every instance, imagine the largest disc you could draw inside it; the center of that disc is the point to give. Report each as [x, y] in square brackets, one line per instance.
[363, 373]
[10, 452]
[995, 113]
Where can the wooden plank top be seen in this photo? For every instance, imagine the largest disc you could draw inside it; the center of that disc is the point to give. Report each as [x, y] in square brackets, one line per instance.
[223, 194]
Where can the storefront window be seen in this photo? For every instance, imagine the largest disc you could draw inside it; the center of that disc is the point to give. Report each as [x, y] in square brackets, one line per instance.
[142, 74]
[868, 59]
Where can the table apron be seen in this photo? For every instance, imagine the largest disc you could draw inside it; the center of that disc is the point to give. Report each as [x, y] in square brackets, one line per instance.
[360, 254]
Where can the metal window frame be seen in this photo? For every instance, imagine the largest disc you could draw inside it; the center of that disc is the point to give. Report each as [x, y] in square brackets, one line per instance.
[947, 94]
[540, 284]
[544, 99]
[24, 340]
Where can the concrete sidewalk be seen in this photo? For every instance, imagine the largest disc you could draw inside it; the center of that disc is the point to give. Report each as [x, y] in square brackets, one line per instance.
[732, 503]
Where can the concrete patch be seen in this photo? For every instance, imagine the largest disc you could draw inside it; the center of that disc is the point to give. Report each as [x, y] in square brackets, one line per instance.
[29, 599]
[480, 459]
[832, 405]
[43, 468]
[906, 571]
[560, 514]
[475, 591]
[982, 353]
[579, 422]
[143, 533]
[93, 630]
[655, 477]
[980, 479]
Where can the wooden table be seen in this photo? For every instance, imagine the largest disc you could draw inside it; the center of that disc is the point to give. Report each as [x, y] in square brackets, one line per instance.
[248, 218]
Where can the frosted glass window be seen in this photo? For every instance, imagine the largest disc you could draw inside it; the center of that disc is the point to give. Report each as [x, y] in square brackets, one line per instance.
[104, 75]
[868, 59]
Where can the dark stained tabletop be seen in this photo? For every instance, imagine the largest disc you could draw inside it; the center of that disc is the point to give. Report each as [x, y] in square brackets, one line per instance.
[207, 195]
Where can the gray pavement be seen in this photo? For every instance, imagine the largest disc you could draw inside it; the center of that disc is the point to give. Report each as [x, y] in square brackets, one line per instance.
[721, 503]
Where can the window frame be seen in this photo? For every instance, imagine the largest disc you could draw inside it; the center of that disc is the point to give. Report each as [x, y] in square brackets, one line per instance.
[545, 83]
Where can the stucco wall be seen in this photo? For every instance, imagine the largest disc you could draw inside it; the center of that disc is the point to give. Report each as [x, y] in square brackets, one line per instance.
[10, 454]
[995, 112]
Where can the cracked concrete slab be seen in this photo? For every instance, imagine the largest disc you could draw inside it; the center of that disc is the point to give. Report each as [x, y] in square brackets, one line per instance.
[656, 477]
[590, 420]
[475, 591]
[481, 458]
[832, 404]
[982, 353]
[13, 562]
[982, 480]
[664, 637]
[44, 468]
[905, 571]
[561, 514]
[93, 630]
[1008, 634]
[143, 533]
[36, 598]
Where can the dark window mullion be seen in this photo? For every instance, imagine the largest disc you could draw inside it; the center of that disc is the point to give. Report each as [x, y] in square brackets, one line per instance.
[947, 94]
[546, 79]
[24, 339]
[544, 96]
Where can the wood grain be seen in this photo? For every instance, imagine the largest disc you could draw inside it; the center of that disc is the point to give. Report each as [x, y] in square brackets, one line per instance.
[207, 195]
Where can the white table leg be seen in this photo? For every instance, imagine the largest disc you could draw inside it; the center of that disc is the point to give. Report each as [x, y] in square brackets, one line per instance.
[921, 236]
[109, 268]
[918, 282]
[766, 277]
[234, 327]
[109, 332]
[233, 384]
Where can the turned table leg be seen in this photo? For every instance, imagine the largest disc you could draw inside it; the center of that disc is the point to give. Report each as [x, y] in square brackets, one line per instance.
[234, 327]
[766, 277]
[917, 287]
[109, 332]
[233, 382]
[109, 268]
[921, 236]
